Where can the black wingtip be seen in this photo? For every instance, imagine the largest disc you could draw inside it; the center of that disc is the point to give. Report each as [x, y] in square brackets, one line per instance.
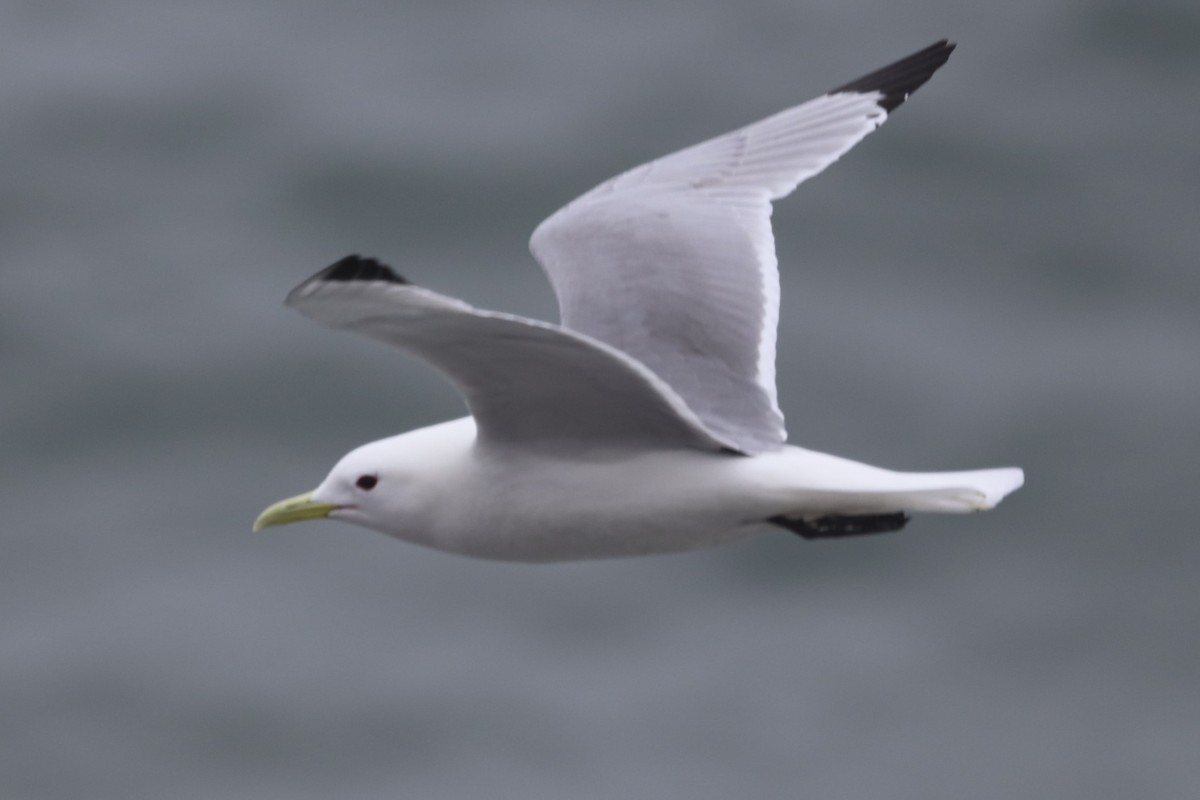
[897, 81]
[357, 268]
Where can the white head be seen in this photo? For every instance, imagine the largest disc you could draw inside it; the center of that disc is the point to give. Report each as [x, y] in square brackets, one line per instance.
[389, 485]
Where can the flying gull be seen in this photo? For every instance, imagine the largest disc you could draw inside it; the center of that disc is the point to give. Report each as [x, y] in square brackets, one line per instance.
[646, 421]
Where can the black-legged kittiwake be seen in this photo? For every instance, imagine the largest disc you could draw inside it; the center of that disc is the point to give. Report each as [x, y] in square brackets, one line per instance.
[646, 422]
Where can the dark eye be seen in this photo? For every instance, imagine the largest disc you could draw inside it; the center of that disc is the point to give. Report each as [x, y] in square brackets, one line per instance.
[366, 482]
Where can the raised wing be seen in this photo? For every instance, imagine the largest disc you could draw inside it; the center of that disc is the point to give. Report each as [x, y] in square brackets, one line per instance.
[526, 382]
[673, 262]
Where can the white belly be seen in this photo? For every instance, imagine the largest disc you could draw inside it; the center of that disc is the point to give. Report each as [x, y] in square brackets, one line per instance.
[559, 509]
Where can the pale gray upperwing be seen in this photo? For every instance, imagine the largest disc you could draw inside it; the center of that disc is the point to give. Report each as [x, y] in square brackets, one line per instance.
[673, 262]
[527, 383]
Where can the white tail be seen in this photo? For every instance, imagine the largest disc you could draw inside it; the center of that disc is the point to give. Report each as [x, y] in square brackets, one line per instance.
[818, 483]
[976, 490]
[939, 492]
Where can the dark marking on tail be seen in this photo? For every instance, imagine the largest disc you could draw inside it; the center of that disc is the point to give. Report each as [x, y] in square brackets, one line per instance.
[837, 526]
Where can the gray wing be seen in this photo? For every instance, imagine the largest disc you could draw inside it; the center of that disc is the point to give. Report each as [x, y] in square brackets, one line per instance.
[673, 262]
[527, 383]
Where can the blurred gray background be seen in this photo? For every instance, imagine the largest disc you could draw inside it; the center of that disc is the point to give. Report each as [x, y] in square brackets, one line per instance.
[1005, 274]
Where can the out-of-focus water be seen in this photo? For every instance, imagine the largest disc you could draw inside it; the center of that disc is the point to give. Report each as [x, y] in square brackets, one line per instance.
[1006, 273]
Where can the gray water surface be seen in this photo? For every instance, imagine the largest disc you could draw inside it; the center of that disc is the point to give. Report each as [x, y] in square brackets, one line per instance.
[1005, 274]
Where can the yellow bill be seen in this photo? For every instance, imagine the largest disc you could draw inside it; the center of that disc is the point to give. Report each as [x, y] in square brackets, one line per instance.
[294, 509]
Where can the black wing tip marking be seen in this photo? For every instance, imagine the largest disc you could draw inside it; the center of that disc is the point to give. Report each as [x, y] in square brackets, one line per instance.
[838, 526]
[899, 80]
[357, 268]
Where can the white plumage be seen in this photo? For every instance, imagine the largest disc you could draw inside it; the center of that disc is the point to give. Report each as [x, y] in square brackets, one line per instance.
[647, 421]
